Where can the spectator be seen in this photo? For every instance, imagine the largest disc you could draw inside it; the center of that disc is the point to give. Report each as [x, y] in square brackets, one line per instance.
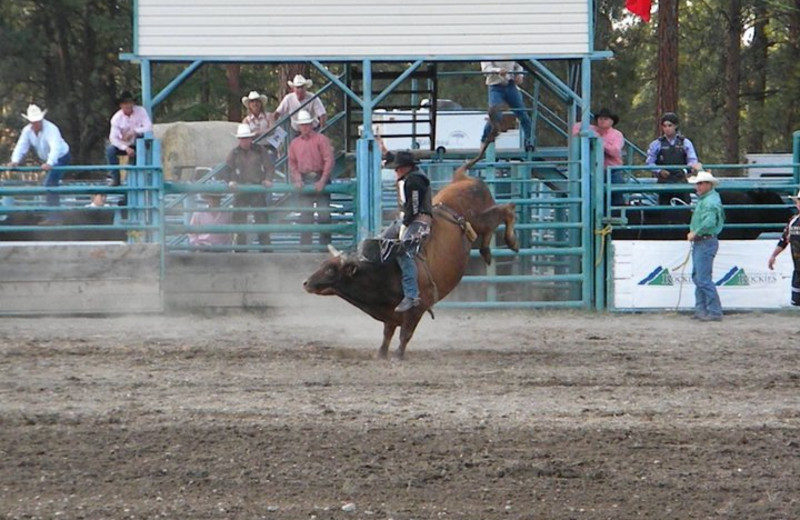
[503, 79]
[413, 224]
[300, 97]
[50, 148]
[98, 201]
[128, 124]
[311, 164]
[791, 236]
[249, 164]
[210, 217]
[708, 218]
[613, 141]
[672, 149]
[257, 119]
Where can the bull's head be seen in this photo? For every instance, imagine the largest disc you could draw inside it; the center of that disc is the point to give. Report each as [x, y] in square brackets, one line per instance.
[328, 278]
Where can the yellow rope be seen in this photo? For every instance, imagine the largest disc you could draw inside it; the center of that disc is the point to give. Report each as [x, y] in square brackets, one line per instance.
[603, 233]
[682, 266]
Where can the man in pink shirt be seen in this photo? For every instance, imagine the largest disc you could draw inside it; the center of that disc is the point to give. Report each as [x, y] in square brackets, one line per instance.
[311, 164]
[613, 141]
[128, 124]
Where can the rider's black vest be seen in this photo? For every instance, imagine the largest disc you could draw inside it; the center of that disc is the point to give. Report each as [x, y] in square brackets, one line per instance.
[671, 154]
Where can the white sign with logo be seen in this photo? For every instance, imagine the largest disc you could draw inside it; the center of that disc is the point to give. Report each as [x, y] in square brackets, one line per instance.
[650, 274]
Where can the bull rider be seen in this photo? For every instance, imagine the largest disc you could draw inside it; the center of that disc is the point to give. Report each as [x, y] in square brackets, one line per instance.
[413, 224]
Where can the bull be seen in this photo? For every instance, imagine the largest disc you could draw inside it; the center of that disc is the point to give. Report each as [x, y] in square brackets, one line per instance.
[463, 207]
[730, 199]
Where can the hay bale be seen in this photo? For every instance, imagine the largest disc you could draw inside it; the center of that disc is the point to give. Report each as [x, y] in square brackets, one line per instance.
[187, 145]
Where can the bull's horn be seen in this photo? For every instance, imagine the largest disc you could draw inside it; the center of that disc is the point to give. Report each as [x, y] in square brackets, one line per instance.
[334, 251]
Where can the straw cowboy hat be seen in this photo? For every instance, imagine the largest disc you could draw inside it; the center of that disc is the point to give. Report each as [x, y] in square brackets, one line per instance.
[243, 131]
[34, 114]
[254, 96]
[796, 197]
[300, 81]
[304, 118]
[703, 176]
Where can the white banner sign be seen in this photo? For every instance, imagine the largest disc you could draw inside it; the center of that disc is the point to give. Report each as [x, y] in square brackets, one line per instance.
[651, 274]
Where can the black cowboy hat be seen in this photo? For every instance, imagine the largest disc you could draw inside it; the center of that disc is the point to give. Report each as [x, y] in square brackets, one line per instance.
[126, 97]
[605, 112]
[402, 158]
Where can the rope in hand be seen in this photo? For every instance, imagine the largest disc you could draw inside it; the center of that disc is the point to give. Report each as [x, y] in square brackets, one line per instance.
[682, 267]
[603, 233]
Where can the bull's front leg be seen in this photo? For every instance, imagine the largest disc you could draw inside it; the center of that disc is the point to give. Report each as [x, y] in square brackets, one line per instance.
[388, 334]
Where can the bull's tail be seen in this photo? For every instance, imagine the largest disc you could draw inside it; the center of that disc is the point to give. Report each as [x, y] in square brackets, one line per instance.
[495, 112]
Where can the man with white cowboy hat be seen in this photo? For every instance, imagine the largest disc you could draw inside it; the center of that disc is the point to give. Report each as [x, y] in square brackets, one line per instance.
[128, 124]
[45, 139]
[791, 236]
[249, 163]
[311, 164]
[708, 218]
[301, 97]
[257, 119]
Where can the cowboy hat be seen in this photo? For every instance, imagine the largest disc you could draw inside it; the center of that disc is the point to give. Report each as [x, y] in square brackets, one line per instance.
[796, 197]
[243, 131]
[605, 112]
[304, 118]
[398, 159]
[703, 176]
[254, 96]
[34, 114]
[300, 81]
[126, 97]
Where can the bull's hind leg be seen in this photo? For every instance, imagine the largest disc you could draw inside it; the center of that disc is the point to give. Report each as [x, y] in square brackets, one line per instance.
[388, 333]
[487, 222]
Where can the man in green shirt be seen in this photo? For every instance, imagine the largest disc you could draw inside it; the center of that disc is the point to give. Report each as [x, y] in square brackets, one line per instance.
[707, 221]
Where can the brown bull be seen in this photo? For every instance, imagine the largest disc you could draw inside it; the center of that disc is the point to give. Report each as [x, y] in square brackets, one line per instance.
[376, 288]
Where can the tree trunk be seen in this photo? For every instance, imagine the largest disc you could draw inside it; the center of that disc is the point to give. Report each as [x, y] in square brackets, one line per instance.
[667, 89]
[232, 72]
[758, 79]
[730, 129]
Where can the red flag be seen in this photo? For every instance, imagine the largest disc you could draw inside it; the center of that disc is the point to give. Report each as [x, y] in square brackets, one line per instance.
[640, 8]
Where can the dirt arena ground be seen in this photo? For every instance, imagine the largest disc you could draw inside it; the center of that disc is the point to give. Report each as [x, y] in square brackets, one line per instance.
[512, 415]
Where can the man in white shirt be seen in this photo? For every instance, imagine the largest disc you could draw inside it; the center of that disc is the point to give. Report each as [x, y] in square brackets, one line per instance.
[45, 139]
[128, 124]
[298, 97]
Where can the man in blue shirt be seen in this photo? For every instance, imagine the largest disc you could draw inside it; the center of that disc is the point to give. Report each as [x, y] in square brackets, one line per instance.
[672, 149]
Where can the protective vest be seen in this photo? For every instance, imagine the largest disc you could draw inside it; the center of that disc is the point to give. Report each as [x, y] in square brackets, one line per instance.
[670, 154]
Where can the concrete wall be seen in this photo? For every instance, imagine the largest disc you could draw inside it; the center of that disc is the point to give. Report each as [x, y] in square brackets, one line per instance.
[195, 281]
[79, 278]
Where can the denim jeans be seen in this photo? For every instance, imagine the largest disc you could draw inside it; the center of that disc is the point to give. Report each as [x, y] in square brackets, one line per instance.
[706, 299]
[509, 94]
[112, 157]
[405, 259]
[53, 178]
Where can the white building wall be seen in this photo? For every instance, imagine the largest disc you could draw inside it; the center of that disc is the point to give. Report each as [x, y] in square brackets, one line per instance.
[336, 29]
